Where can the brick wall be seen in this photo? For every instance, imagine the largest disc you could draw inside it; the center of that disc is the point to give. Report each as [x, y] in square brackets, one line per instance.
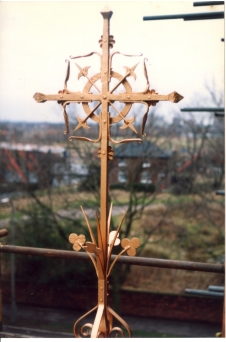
[145, 304]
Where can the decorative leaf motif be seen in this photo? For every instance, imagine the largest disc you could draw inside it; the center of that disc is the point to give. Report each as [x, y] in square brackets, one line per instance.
[83, 71]
[81, 123]
[111, 238]
[110, 153]
[151, 103]
[128, 123]
[145, 72]
[133, 244]
[77, 241]
[130, 71]
[111, 41]
[67, 74]
[92, 248]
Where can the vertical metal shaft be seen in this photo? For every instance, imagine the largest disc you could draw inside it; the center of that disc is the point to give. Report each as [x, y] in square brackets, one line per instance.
[101, 324]
[106, 13]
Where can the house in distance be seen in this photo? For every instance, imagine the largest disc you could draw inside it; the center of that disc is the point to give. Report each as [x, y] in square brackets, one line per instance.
[136, 163]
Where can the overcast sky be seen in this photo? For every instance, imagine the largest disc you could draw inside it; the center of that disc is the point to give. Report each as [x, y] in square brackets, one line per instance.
[37, 37]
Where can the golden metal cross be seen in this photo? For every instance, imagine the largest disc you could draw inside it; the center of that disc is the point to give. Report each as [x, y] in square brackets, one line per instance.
[103, 324]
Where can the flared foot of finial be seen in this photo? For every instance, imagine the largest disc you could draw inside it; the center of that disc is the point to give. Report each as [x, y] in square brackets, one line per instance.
[97, 330]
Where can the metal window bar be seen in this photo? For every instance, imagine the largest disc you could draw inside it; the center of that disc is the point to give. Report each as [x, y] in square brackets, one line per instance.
[212, 291]
[216, 288]
[212, 294]
[202, 109]
[220, 192]
[187, 17]
[219, 114]
[208, 3]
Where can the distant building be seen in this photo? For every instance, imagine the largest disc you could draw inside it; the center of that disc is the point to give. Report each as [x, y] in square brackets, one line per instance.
[70, 174]
[38, 166]
[139, 163]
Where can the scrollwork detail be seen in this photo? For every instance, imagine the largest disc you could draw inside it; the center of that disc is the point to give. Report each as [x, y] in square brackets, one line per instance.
[88, 332]
[118, 330]
[87, 325]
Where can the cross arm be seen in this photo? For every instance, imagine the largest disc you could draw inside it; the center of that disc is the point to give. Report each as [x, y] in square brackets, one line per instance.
[137, 97]
[62, 97]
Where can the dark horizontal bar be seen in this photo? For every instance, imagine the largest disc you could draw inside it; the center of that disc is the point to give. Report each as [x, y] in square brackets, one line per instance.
[204, 293]
[190, 16]
[45, 252]
[3, 232]
[222, 39]
[173, 264]
[219, 114]
[201, 109]
[204, 16]
[220, 192]
[207, 3]
[216, 288]
[150, 262]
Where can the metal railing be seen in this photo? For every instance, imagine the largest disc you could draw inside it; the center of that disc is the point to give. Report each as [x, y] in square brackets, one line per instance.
[150, 262]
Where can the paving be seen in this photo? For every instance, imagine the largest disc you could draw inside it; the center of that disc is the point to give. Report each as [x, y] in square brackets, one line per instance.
[58, 317]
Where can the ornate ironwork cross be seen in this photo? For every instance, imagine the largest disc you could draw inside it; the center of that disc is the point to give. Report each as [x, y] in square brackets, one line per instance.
[100, 250]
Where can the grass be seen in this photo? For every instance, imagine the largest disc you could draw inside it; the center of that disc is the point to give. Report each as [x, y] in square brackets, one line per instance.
[8, 215]
[68, 199]
[173, 222]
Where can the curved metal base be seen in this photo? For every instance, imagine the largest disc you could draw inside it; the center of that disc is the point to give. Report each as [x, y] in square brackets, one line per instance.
[104, 317]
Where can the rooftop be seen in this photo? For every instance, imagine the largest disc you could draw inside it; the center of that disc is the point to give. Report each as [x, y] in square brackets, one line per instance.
[146, 149]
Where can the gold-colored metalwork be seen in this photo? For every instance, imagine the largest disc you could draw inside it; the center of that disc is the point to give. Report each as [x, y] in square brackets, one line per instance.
[100, 250]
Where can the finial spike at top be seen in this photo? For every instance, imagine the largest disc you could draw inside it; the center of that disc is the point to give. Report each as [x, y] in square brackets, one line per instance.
[106, 12]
